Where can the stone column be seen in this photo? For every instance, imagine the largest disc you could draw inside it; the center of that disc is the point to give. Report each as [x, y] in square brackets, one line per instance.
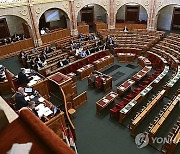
[74, 30]
[112, 20]
[35, 29]
[151, 19]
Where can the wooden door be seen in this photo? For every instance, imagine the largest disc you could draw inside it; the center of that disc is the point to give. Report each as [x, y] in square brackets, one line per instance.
[4, 30]
[132, 13]
[87, 15]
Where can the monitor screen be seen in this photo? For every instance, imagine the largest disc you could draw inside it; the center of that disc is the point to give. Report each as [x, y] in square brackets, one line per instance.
[28, 90]
[52, 15]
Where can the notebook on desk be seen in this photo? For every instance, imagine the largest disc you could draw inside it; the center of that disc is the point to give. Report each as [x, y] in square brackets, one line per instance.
[57, 78]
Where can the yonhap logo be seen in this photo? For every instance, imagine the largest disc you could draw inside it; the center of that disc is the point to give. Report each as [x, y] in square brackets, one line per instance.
[141, 140]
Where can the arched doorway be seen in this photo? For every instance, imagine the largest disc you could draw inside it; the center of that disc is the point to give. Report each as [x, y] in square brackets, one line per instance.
[90, 14]
[11, 25]
[168, 19]
[53, 19]
[132, 13]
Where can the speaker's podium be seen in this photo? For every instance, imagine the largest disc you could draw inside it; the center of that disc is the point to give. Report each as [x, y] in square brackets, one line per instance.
[58, 82]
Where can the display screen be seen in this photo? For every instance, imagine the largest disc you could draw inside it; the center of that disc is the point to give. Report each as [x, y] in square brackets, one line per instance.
[52, 15]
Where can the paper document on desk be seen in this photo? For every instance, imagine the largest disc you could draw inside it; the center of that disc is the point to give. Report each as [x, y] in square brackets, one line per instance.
[41, 99]
[105, 100]
[47, 111]
[112, 95]
[31, 83]
[27, 71]
[36, 78]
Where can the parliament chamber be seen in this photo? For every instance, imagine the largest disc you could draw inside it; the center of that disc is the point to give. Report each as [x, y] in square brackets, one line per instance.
[89, 77]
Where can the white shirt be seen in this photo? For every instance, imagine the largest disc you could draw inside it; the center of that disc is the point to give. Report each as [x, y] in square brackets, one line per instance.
[43, 32]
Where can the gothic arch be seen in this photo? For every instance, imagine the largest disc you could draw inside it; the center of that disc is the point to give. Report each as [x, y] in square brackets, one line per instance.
[143, 3]
[79, 5]
[42, 10]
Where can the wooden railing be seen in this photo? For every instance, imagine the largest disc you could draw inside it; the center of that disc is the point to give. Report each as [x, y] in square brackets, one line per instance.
[13, 48]
[130, 26]
[67, 115]
[79, 100]
[50, 37]
[83, 29]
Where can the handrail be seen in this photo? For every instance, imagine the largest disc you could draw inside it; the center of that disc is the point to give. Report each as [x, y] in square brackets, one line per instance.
[67, 114]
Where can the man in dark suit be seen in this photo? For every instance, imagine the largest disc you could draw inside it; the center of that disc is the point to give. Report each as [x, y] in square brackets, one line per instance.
[20, 99]
[22, 78]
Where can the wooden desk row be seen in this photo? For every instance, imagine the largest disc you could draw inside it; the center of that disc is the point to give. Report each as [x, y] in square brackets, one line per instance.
[136, 51]
[133, 103]
[85, 71]
[126, 57]
[66, 68]
[142, 73]
[173, 61]
[83, 29]
[14, 48]
[160, 121]
[105, 101]
[173, 138]
[138, 119]
[143, 61]
[55, 35]
[125, 86]
[130, 26]
[104, 62]
[107, 82]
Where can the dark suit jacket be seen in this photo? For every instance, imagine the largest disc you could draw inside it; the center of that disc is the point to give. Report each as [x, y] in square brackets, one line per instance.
[22, 78]
[20, 101]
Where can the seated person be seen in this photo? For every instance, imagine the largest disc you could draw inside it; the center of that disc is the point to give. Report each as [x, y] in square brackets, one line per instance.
[23, 37]
[71, 42]
[43, 56]
[37, 59]
[92, 50]
[2, 73]
[83, 54]
[34, 50]
[125, 29]
[22, 78]
[65, 61]
[105, 46]
[20, 99]
[78, 51]
[48, 50]
[88, 52]
[31, 107]
[38, 66]
[92, 79]
[22, 54]
[47, 30]
[42, 32]
[10, 40]
[111, 41]
[60, 64]
[5, 41]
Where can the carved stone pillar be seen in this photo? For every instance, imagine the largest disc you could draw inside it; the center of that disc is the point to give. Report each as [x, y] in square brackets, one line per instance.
[151, 19]
[35, 29]
[74, 30]
[112, 23]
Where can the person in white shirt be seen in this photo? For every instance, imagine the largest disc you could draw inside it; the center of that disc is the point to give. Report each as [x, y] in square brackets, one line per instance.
[125, 29]
[43, 31]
